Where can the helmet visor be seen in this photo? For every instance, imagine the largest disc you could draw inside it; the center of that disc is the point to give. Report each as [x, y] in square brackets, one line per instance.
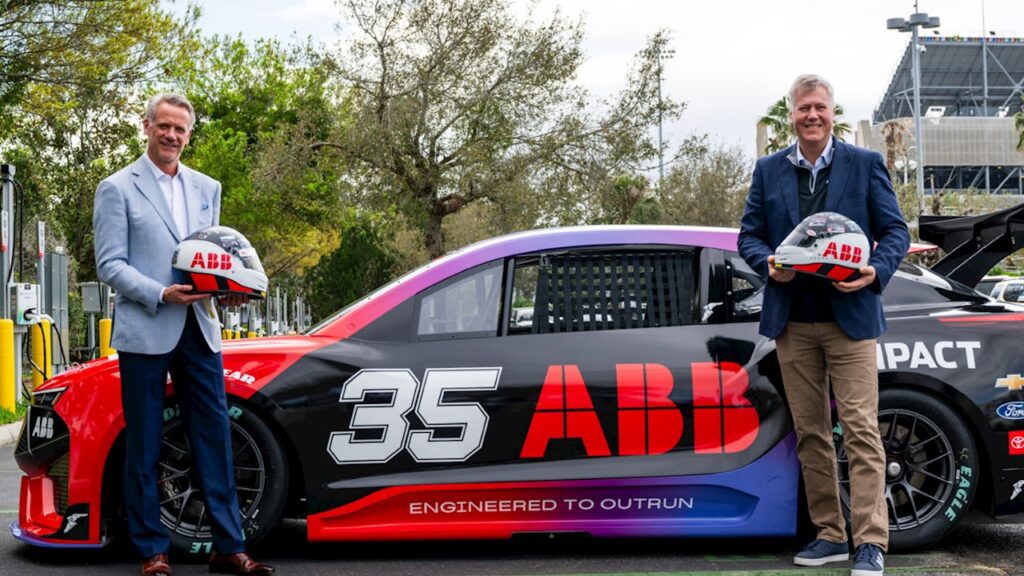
[250, 259]
[802, 236]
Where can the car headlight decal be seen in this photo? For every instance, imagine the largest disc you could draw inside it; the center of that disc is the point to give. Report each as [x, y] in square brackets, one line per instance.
[47, 397]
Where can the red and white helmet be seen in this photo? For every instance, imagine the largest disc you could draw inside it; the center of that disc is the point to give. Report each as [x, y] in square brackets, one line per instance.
[826, 244]
[220, 260]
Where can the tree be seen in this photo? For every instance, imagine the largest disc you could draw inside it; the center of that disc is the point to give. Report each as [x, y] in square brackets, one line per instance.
[894, 132]
[259, 107]
[60, 48]
[70, 76]
[358, 265]
[627, 199]
[455, 102]
[780, 127]
[1018, 122]
[707, 187]
[599, 180]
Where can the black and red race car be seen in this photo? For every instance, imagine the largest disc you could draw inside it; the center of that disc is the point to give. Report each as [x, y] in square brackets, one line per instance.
[637, 400]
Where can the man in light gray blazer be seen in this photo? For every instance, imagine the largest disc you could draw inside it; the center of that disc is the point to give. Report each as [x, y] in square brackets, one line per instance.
[140, 215]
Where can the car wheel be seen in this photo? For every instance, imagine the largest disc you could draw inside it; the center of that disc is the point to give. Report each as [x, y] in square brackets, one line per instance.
[931, 473]
[261, 481]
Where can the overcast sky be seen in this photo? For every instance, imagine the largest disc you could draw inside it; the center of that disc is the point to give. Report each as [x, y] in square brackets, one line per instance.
[732, 60]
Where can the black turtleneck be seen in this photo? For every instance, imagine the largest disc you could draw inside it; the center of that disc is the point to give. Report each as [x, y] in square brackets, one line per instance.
[813, 303]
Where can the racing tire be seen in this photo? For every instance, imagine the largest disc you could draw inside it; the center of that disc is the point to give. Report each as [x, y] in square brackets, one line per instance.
[261, 479]
[932, 471]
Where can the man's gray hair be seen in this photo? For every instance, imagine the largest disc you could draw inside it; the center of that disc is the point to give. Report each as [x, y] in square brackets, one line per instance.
[806, 82]
[173, 99]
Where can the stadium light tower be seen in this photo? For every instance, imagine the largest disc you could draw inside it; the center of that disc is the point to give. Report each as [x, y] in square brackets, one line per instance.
[911, 24]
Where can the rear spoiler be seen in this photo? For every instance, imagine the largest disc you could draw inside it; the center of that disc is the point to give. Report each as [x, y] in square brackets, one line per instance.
[974, 244]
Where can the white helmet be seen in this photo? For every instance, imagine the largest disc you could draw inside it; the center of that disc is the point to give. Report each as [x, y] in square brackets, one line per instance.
[220, 260]
[825, 244]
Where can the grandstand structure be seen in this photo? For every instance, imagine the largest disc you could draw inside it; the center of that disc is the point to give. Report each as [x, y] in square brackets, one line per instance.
[971, 89]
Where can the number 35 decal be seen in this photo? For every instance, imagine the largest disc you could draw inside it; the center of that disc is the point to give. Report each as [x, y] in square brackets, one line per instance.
[403, 393]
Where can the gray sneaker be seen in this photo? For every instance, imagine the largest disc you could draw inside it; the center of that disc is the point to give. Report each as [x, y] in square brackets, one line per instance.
[821, 552]
[868, 560]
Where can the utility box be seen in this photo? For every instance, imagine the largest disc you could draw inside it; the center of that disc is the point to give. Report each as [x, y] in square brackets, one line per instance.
[25, 298]
[92, 300]
[55, 303]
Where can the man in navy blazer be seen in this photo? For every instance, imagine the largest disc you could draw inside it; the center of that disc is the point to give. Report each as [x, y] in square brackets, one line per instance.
[140, 215]
[825, 331]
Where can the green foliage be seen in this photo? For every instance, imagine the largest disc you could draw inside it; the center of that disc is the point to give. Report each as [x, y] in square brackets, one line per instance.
[588, 181]
[1000, 271]
[455, 102]
[260, 108]
[780, 129]
[626, 199]
[70, 73]
[895, 133]
[1018, 122]
[10, 417]
[707, 187]
[53, 50]
[360, 264]
[522, 302]
[77, 328]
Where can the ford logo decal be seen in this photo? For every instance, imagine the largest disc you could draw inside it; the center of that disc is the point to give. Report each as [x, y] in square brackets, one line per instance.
[1011, 411]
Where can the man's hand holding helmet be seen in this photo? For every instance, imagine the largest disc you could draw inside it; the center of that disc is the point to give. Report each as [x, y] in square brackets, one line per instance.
[867, 277]
[217, 261]
[780, 275]
[180, 294]
[827, 245]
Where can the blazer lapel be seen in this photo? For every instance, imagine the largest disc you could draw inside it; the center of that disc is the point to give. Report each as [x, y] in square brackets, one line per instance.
[142, 175]
[838, 175]
[789, 186]
[193, 198]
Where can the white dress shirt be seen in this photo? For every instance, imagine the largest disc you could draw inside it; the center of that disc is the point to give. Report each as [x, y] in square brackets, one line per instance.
[173, 189]
[825, 159]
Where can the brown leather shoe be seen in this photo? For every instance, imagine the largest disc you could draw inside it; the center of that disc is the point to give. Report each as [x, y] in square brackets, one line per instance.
[156, 566]
[240, 563]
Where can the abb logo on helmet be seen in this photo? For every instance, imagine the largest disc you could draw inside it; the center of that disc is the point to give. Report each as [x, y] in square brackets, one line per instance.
[844, 253]
[213, 261]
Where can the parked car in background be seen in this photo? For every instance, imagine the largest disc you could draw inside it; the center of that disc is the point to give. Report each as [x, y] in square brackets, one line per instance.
[522, 318]
[987, 283]
[1009, 290]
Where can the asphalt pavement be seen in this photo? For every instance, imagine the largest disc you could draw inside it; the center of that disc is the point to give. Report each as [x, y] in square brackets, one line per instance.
[975, 549]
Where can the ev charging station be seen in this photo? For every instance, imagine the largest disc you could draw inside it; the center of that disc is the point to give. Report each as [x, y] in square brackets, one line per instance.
[29, 310]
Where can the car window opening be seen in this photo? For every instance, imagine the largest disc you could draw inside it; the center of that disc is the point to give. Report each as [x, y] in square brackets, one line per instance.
[581, 292]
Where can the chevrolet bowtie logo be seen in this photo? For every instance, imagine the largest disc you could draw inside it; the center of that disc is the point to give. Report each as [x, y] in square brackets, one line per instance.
[1011, 381]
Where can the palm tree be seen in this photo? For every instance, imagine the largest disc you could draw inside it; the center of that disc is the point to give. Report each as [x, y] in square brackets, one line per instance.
[1018, 122]
[780, 128]
[894, 132]
[841, 129]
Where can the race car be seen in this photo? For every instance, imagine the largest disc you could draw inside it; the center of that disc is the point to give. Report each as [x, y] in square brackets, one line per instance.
[639, 400]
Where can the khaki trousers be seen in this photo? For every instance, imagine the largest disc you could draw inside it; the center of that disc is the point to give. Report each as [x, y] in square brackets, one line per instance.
[811, 354]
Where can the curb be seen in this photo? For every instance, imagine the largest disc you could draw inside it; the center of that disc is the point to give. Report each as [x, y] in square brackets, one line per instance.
[9, 433]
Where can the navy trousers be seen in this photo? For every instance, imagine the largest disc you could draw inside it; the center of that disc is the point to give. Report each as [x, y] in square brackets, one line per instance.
[198, 377]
